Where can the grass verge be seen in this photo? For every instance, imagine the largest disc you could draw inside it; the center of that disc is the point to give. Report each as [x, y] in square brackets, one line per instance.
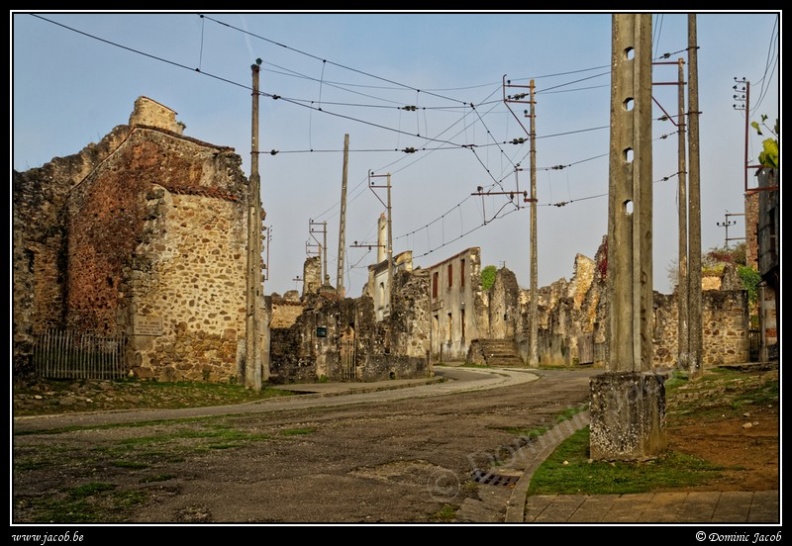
[719, 393]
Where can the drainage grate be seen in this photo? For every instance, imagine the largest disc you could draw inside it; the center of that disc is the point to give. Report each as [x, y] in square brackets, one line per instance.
[490, 478]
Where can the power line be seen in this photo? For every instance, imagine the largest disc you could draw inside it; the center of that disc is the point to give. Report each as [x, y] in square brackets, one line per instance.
[329, 62]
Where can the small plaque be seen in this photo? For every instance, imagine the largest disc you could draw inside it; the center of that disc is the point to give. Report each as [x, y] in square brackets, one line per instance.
[148, 325]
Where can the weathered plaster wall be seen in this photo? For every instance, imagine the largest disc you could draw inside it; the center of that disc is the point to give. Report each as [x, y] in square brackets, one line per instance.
[459, 313]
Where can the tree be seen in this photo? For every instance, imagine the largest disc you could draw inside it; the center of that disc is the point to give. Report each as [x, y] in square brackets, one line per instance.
[768, 157]
[488, 277]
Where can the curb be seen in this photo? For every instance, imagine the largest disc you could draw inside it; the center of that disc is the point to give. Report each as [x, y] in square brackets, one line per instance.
[536, 452]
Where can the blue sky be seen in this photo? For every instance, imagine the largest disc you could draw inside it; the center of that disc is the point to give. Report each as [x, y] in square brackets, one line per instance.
[75, 76]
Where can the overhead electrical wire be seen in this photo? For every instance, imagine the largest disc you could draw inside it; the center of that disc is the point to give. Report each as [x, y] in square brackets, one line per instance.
[312, 108]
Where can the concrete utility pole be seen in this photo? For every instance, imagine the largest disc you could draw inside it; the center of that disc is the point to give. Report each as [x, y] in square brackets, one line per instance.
[694, 279]
[533, 355]
[390, 253]
[682, 273]
[630, 208]
[745, 97]
[389, 242]
[253, 341]
[627, 402]
[533, 335]
[342, 222]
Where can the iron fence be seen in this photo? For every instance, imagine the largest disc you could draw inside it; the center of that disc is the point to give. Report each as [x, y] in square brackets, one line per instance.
[65, 354]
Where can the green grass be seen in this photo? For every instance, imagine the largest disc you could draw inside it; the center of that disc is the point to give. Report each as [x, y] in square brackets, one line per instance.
[569, 470]
[719, 392]
[446, 514]
[92, 502]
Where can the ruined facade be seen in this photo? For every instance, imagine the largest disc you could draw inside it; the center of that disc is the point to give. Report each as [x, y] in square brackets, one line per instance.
[340, 339]
[573, 326]
[143, 235]
[378, 285]
[459, 312]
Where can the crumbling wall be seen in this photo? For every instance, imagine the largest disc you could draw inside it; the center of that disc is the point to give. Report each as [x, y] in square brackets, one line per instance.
[410, 317]
[144, 235]
[339, 339]
[724, 328]
[151, 113]
[504, 305]
[312, 275]
[39, 221]
[285, 309]
[157, 250]
[573, 325]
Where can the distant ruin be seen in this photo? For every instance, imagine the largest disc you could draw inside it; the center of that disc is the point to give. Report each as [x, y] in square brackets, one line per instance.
[143, 235]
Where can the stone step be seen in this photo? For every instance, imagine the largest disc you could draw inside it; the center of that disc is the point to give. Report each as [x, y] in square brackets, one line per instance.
[500, 352]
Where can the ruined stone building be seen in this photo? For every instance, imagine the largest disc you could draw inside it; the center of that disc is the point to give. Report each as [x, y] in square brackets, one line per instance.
[142, 235]
[380, 335]
[573, 326]
[768, 235]
[378, 283]
[441, 314]
[459, 310]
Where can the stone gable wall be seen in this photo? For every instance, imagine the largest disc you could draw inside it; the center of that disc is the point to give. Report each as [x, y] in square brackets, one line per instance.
[39, 198]
[143, 234]
[157, 234]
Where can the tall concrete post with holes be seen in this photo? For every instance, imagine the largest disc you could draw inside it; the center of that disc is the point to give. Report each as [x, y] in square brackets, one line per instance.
[628, 401]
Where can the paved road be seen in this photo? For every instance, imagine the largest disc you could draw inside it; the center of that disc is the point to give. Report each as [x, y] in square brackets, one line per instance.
[446, 381]
[408, 451]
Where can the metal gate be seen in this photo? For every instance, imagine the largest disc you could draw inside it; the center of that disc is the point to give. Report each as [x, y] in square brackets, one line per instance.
[754, 345]
[347, 350]
[65, 354]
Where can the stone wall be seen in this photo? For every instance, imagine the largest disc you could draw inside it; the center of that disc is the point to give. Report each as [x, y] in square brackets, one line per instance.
[573, 329]
[339, 339]
[159, 233]
[312, 275]
[153, 114]
[285, 310]
[39, 198]
[143, 235]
